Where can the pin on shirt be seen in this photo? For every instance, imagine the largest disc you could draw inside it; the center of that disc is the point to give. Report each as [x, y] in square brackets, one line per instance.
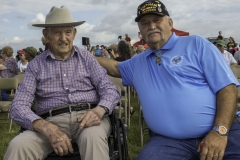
[158, 59]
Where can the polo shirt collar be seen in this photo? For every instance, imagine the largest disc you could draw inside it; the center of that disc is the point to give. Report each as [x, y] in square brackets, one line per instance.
[169, 45]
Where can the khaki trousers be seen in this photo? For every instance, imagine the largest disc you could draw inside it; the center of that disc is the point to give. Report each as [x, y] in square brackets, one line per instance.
[92, 141]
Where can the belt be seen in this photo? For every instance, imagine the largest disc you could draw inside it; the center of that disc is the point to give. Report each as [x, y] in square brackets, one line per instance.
[68, 109]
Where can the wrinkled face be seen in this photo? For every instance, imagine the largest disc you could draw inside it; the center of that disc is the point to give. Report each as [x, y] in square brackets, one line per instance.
[221, 48]
[60, 39]
[155, 28]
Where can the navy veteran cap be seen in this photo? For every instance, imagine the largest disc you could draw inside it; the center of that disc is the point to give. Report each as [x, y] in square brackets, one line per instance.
[151, 7]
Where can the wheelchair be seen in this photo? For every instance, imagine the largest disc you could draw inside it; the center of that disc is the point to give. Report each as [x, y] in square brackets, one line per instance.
[117, 143]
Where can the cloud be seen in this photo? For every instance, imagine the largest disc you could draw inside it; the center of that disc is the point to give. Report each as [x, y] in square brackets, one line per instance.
[40, 18]
[107, 19]
[5, 20]
[21, 17]
[14, 40]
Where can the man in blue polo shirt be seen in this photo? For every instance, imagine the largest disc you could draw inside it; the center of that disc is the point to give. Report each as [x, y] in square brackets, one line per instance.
[186, 89]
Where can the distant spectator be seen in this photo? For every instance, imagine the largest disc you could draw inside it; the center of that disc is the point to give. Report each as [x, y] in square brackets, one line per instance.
[8, 68]
[119, 38]
[22, 63]
[88, 48]
[92, 50]
[220, 33]
[231, 44]
[124, 51]
[40, 51]
[112, 50]
[220, 38]
[97, 51]
[30, 53]
[237, 55]
[140, 49]
[102, 50]
[227, 55]
[17, 58]
[215, 43]
[127, 38]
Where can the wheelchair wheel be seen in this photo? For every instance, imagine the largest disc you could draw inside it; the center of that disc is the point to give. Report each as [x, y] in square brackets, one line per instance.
[124, 147]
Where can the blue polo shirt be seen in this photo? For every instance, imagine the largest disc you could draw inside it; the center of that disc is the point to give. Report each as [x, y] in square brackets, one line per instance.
[178, 96]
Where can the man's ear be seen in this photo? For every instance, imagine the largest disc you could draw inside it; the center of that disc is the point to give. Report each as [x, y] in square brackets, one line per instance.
[74, 32]
[45, 34]
[170, 22]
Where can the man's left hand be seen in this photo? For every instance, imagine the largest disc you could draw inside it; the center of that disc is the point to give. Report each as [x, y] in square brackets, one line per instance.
[213, 146]
[91, 117]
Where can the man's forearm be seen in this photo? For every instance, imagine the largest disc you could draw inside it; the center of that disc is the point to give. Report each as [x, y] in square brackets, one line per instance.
[2, 67]
[43, 127]
[226, 106]
[110, 65]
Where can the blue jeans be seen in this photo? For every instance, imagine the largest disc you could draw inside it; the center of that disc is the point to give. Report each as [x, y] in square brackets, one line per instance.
[164, 148]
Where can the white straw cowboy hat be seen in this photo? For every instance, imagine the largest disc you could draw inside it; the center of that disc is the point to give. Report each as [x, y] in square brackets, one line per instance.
[59, 17]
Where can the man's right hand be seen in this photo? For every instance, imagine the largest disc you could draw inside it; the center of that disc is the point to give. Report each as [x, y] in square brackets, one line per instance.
[59, 141]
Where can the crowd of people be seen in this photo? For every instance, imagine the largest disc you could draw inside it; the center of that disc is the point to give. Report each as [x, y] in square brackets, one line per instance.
[186, 89]
[230, 50]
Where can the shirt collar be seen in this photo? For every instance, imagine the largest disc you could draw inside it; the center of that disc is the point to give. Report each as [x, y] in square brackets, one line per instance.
[169, 45]
[49, 53]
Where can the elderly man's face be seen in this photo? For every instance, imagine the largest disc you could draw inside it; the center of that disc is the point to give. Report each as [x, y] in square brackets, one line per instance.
[60, 39]
[155, 29]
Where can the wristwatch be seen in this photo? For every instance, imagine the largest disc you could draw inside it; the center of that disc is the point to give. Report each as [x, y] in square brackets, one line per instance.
[106, 110]
[221, 130]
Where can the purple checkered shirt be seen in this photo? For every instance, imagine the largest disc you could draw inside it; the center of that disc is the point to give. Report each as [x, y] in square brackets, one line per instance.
[12, 68]
[54, 83]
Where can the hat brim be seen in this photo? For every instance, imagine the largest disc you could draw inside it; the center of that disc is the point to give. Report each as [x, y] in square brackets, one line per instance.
[59, 24]
[140, 16]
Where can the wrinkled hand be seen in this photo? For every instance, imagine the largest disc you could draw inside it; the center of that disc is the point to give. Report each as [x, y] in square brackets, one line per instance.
[91, 117]
[59, 141]
[214, 146]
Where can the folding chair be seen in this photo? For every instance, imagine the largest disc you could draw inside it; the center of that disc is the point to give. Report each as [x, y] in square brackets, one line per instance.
[19, 76]
[236, 72]
[7, 84]
[118, 109]
[124, 99]
[143, 131]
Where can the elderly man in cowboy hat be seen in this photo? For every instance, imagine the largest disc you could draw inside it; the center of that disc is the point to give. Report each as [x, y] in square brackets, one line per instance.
[73, 98]
[186, 89]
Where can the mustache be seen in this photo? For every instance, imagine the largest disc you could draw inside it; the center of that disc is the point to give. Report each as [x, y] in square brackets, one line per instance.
[154, 31]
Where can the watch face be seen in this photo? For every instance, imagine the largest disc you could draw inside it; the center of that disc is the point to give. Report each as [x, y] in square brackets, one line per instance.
[222, 130]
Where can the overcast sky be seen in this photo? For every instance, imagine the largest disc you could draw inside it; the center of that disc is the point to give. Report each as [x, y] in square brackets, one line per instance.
[107, 19]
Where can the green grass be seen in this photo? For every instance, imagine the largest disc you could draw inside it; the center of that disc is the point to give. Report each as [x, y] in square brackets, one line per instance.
[134, 142]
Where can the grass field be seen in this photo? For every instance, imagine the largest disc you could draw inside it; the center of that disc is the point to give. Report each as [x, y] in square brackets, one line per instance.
[134, 144]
